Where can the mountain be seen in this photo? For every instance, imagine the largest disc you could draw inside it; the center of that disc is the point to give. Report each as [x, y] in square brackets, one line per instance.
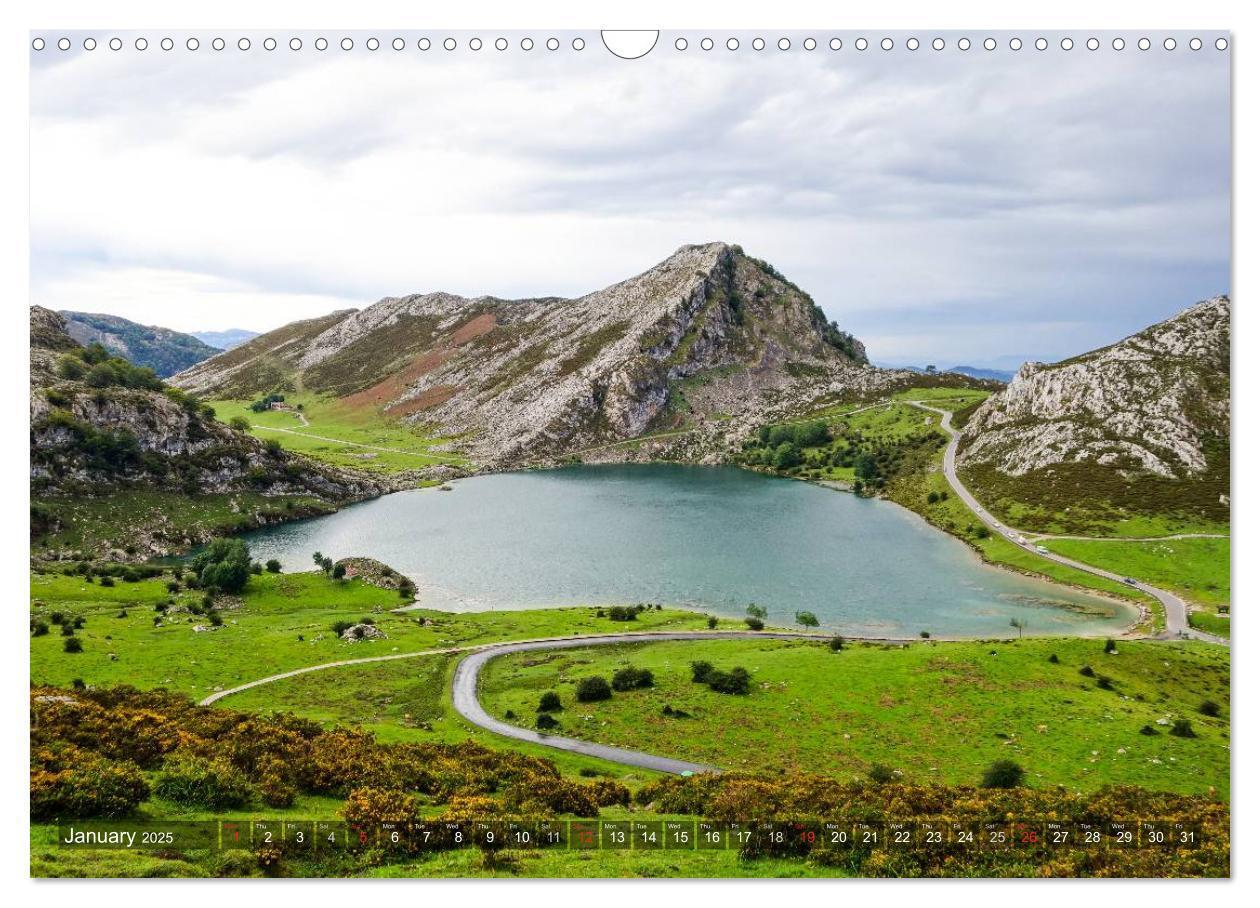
[101, 425]
[1001, 375]
[998, 375]
[1141, 425]
[225, 340]
[160, 349]
[708, 334]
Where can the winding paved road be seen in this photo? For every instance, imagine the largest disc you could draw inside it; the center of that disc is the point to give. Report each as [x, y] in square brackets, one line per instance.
[464, 685]
[1176, 620]
[464, 694]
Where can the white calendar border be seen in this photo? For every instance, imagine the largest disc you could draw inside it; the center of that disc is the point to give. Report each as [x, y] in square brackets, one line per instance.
[20, 18]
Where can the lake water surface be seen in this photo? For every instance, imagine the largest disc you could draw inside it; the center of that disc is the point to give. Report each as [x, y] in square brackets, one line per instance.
[714, 538]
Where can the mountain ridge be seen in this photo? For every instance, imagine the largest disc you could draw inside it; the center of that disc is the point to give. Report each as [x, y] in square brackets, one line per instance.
[100, 426]
[161, 349]
[1149, 413]
[532, 379]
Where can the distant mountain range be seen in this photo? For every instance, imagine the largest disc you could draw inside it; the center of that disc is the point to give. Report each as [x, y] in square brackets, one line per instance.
[161, 349]
[225, 340]
[1002, 375]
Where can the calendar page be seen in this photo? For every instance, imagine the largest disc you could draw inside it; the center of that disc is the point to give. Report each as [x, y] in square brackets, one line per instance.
[573, 454]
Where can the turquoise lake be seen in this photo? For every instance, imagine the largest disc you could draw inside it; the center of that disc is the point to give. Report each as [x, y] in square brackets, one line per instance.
[711, 538]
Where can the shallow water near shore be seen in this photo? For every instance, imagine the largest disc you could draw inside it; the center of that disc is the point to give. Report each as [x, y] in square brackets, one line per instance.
[712, 538]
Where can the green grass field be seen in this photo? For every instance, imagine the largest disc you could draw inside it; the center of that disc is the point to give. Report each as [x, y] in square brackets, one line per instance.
[281, 622]
[1197, 569]
[952, 399]
[936, 712]
[343, 436]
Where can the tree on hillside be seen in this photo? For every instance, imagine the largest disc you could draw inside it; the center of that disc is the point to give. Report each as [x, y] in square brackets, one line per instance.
[786, 456]
[807, 619]
[224, 565]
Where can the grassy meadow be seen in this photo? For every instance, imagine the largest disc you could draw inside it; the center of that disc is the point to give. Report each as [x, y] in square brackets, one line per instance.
[932, 712]
[344, 436]
[1195, 569]
[279, 622]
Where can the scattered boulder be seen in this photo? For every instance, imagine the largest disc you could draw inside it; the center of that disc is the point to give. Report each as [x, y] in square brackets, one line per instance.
[371, 571]
[356, 632]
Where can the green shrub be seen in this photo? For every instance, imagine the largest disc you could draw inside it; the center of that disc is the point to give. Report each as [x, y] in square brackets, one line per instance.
[623, 613]
[755, 624]
[273, 566]
[632, 679]
[71, 783]
[549, 702]
[192, 781]
[807, 619]
[546, 721]
[711, 622]
[592, 689]
[1109, 646]
[1087, 671]
[1003, 774]
[73, 645]
[836, 643]
[39, 628]
[340, 627]
[1181, 728]
[700, 672]
[1148, 731]
[881, 774]
[1210, 708]
[736, 681]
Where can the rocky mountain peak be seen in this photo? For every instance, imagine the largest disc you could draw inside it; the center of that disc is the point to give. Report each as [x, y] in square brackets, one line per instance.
[1156, 402]
[526, 378]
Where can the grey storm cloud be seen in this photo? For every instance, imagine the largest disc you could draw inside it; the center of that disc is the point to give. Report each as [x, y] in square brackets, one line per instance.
[944, 205]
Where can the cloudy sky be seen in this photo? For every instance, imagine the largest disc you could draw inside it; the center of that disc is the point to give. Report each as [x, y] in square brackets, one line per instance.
[946, 207]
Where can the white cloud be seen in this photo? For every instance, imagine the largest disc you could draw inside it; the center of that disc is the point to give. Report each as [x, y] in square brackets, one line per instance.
[912, 196]
[182, 300]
